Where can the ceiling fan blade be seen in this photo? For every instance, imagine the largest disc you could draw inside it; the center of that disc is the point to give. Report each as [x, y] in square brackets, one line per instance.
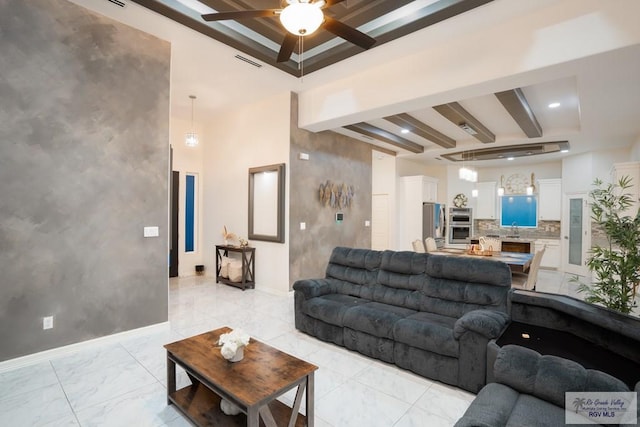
[329, 3]
[286, 49]
[348, 33]
[243, 14]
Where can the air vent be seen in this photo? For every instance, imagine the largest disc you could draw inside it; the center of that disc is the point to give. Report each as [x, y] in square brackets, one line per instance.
[248, 61]
[117, 3]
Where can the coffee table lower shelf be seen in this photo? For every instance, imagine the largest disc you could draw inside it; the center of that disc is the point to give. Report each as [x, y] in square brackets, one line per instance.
[202, 407]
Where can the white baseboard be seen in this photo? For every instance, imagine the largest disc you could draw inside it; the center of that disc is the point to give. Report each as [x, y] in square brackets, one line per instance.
[31, 359]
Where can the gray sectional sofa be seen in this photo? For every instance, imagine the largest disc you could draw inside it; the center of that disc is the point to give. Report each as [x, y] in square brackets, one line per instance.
[530, 390]
[430, 314]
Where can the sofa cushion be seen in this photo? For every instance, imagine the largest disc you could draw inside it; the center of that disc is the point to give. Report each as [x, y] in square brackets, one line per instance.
[355, 270]
[375, 318]
[331, 308]
[500, 405]
[428, 331]
[548, 377]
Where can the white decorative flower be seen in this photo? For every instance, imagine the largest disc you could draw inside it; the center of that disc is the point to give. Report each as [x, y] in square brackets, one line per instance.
[228, 350]
[232, 341]
[237, 336]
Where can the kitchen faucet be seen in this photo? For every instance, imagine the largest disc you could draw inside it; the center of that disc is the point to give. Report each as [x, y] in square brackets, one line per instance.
[514, 229]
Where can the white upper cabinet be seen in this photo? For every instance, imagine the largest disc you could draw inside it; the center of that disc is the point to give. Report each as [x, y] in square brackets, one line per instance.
[486, 201]
[550, 199]
[429, 189]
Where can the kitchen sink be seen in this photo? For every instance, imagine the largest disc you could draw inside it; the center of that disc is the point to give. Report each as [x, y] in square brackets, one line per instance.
[512, 237]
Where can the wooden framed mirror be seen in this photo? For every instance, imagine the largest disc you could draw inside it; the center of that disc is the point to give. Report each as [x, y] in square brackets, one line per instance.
[266, 203]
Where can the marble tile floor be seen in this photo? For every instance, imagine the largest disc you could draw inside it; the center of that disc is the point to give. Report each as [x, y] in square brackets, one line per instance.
[124, 384]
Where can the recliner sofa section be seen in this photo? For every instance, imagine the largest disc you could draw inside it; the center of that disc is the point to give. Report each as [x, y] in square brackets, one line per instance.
[430, 314]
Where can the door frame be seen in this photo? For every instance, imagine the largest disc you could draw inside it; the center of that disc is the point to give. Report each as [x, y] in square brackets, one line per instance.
[174, 209]
[586, 233]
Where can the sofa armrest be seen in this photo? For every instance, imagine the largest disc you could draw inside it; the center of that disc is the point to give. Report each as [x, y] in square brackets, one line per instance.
[487, 323]
[312, 288]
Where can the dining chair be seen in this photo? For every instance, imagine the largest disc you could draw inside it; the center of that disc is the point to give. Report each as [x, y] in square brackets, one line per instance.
[528, 281]
[490, 244]
[430, 244]
[418, 246]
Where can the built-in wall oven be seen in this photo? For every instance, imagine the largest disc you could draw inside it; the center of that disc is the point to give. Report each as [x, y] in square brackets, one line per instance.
[460, 225]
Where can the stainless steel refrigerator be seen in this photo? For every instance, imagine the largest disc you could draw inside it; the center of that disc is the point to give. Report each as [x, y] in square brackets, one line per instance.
[434, 222]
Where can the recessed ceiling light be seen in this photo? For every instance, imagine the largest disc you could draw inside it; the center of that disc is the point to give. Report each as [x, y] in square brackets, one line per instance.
[404, 131]
[554, 105]
[509, 158]
[564, 151]
[526, 336]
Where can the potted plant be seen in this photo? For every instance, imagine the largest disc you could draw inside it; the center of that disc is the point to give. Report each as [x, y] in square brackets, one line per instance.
[616, 265]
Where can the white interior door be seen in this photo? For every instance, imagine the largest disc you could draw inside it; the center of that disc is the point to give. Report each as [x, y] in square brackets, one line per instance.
[380, 222]
[576, 233]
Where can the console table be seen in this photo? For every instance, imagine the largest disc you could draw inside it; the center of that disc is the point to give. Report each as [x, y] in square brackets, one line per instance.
[248, 259]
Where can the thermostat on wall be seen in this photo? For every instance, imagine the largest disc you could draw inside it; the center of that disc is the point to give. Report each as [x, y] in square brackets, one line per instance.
[339, 216]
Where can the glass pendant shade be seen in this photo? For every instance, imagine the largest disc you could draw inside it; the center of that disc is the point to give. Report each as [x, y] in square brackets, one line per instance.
[467, 174]
[191, 139]
[301, 19]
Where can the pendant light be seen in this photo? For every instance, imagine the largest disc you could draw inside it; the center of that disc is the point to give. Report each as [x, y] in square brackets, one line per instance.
[192, 137]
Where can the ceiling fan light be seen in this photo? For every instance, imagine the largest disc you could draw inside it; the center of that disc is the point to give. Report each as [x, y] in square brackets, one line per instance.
[302, 19]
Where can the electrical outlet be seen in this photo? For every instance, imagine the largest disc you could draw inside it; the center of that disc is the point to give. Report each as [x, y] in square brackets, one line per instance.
[47, 322]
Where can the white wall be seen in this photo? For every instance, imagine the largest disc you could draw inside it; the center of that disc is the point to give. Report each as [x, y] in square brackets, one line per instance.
[188, 160]
[579, 172]
[254, 135]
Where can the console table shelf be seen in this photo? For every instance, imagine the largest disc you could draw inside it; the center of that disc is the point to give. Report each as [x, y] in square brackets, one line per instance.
[248, 259]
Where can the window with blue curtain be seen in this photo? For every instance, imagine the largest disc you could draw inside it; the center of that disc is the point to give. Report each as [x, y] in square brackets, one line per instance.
[519, 210]
[190, 213]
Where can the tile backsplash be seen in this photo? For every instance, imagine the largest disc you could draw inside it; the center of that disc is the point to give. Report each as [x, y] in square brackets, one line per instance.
[545, 229]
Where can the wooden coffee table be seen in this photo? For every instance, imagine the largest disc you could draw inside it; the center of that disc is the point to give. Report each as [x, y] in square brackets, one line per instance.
[252, 384]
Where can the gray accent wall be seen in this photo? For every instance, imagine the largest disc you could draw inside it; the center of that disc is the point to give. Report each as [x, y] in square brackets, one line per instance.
[339, 159]
[84, 143]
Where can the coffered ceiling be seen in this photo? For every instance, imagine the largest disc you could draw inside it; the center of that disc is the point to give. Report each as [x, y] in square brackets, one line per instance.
[599, 94]
[261, 37]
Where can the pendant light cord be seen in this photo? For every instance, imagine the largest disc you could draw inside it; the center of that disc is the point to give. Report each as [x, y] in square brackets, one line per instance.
[192, 99]
[301, 55]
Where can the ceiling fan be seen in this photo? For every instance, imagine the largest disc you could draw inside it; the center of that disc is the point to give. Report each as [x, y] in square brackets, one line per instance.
[300, 18]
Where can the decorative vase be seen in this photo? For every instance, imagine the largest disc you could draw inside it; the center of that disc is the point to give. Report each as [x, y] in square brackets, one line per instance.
[239, 355]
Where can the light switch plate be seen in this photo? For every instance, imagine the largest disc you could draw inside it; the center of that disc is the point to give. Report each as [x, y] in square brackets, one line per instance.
[303, 226]
[367, 223]
[151, 232]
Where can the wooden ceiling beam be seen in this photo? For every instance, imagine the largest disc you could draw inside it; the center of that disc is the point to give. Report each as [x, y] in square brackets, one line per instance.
[456, 114]
[384, 136]
[516, 104]
[413, 125]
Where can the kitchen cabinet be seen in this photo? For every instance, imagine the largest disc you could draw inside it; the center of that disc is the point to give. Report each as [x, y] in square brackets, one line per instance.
[549, 199]
[551, 257]
[414, 191]
[632, 170]
[516, 246]
[486, 201]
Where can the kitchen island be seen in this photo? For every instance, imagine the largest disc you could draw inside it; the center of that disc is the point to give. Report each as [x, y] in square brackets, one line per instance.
[511, 244]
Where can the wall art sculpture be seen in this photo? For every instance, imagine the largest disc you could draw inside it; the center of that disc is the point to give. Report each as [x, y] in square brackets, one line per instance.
[335, 195]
